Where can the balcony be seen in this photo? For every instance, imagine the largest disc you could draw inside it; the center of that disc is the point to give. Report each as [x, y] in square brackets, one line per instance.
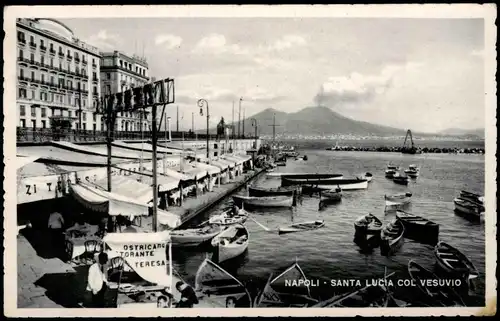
[84, 62]
[43, 48]
[32, 44]
[22, 41]
[94, 65]
[77, 60]
[95, 79]
[61, 54]
[69, 57]
[52, 51]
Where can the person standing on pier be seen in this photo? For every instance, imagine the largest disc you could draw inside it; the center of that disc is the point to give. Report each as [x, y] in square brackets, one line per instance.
[97, 281]
[56, 228]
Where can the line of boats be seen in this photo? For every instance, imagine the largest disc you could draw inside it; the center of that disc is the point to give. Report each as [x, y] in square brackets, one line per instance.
[394, 172]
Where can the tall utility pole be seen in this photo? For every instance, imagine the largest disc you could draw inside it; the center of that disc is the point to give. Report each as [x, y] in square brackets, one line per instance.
[243, 122]
[239, 118]
[232, 128]
[192, 122]
[177, 118]
[203, 103]
[274, 126]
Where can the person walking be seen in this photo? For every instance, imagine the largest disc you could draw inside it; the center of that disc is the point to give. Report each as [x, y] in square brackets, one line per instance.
[97, 281]
[56, 229]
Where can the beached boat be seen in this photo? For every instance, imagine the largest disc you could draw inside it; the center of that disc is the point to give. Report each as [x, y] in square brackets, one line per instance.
[368, 224]
[264, 201]
[467, 207]
[289, 289]
[230, 243]
[418, 227]
[368, 176]
[399, 179]
[214, 284]
[272, 191]
[344, 183]
[229, 218]
[442, 295]
[454, 262]
[391, 237]
[300, 227]
[398, 199]
[195, 236]
[372, 295]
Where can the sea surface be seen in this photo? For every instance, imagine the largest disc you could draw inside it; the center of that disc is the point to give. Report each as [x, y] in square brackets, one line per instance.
[329, 253]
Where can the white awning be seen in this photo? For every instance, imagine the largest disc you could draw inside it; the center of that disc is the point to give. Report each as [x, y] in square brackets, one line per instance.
[128, 187]
[21, 161]
[212, 170]
[221, 165]
[198, 173]
[231, 164]
[236, 160]
[165, 182]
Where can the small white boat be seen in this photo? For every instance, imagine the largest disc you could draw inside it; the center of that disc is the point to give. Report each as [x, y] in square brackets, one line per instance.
[391, 170]
[228, 218]
[195, 236]
[327, 184]
[300, 227]
[214, 284]
[368, 177]
[289, 289]
[398, 199]
[412, 171]
[264, 201]
[230, 243]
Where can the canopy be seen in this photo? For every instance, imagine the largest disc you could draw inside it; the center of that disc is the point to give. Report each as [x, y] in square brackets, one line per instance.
[198, 173]
[22, 160]
[170, 171]
[128, 187]
[106, 202]
[165, 182]
[145, 253]
[234, 159]
[169, 219]
[229, 163]
[221, 165]
[212, 170]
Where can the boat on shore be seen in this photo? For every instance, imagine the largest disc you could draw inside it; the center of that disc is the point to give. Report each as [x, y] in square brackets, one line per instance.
[412, 171]
[230, 243]
[443, 295]
[214, 284]
[301, 227]
[398, 199]
[278, 292]
[391, 237]
[195, 236]
[272, 191]
[452, 261]
[400, 179]
[419, 228]
[467, 207]
[327, 184]
[263, 201]
[228, 217]
[368, 224]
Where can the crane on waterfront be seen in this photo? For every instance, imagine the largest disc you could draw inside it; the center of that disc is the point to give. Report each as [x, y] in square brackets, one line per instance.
[409, 149]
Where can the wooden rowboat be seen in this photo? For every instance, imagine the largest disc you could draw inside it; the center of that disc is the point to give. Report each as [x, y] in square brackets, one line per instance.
[214, 284]
[300, 227]
[265, 201]
[195, 236]
[368, 176]
[391, 237]
[230, 243]
[418, 227]
[289, 289]
[454, 262]
[467, 207]
[226, 218]
[398, 199]
[344, 183]
[441, 295]
[368, 224]
[276, 191]
[401, 180]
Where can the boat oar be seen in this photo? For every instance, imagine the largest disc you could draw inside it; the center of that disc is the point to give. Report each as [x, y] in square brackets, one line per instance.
[265, 228]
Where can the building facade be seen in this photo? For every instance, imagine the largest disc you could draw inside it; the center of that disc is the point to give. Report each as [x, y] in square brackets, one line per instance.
[120, 72]
[57, 76]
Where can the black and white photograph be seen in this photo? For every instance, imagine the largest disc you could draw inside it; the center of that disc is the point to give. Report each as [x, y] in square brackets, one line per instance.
[269, 159]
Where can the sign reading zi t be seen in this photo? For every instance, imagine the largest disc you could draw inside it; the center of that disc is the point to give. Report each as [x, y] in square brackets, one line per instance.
[151, 95]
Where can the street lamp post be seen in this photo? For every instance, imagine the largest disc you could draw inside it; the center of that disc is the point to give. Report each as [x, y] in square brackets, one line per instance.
[203, 103]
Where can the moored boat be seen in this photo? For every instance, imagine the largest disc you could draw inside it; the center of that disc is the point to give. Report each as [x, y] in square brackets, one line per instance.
[228, 217]
[476, 199]
[441, 294]
[467, 207]
[273, 191]
[368, 176]
[391, 237]
[399, 179]
[264, 201]
[230, 243]
[289, 289]
[391, 170]
[418, 227]
[195, 236]
[216, 285]
[412, 171]
[344, 183]
[323, 176]
[368, 224]
[300, 227]
[452, 261]
[398, 199]
[333, 195]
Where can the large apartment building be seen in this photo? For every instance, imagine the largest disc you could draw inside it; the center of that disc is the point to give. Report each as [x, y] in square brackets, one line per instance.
[118, 73]
[57, 75]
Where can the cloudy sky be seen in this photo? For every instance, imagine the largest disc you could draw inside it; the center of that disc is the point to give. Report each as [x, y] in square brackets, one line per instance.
[423, 74]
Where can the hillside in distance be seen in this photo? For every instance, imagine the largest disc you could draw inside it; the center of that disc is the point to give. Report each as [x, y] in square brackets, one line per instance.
[316, 121]
[478, 132]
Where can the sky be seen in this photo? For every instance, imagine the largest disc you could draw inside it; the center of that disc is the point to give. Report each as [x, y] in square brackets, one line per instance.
[423, 74]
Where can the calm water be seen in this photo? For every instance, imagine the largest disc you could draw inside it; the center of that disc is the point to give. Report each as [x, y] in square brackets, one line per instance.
[329, 253]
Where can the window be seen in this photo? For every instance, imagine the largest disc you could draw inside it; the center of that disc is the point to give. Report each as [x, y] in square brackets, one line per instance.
[22, 92]
[43, 78]
[52, 80]
[94, 90]
[84, 115]
[33, 111]
[32, 76]
[52, 62]
[23, 123]
[42, 60]
[69, 52]
[51, 46]
[108, 89]
[44, 124]
[32, 40]
[21, 54]
[108, 76]
[21, 73]
[22, 110]
[84, 126]
[94, 75]
[32, 94]
[32, 57]
[51, 97]
[85, 103]
[70, 113]
[121, 63]
[77, 70]
[41, 43]
[20, 36]
[44, 112]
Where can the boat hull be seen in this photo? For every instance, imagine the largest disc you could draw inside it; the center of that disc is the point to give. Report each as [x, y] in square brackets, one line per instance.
[258, 192]
[191, 239]
[278, 201]
[467, 208]
[425, 233]
[327, 184]
[389, 246]
[292, 229]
